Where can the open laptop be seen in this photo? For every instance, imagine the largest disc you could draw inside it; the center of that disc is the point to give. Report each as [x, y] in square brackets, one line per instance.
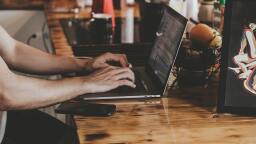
[151, 79]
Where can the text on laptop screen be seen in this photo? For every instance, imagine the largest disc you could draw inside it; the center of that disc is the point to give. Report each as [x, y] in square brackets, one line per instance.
[166, 45]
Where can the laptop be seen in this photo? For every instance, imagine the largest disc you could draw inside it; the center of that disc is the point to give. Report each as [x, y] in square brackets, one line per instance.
[151, 80]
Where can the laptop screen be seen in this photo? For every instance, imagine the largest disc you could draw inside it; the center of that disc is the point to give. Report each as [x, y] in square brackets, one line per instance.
[167, 42]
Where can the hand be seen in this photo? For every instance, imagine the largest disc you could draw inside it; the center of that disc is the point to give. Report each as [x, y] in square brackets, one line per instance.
[102, 61]
[109, 78]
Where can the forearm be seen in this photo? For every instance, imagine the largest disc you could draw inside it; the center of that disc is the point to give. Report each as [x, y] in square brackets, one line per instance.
[31, 60]
[28, 93]
[25, 58]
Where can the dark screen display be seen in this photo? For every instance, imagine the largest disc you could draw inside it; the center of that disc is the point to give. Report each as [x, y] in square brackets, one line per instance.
[166, 45]
[240, 80]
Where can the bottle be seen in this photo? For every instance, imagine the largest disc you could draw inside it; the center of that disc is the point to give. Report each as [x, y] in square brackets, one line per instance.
[104, 6]
[222, 10]
[192, 9]
[205, 14]
[216, 22]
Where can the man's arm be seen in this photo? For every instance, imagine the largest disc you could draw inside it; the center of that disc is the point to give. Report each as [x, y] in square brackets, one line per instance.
[20, 92]
[24, 58]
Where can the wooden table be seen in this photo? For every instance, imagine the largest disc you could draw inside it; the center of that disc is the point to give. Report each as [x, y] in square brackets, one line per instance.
[185, 116]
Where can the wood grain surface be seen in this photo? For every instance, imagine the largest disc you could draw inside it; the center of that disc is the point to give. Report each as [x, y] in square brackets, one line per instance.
[184, 117]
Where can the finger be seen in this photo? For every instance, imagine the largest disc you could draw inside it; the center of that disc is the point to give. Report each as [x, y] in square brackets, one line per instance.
[116, 73]
[125, 83]
[121, 58]
[104, 70]
[121, 70]
[125, 75]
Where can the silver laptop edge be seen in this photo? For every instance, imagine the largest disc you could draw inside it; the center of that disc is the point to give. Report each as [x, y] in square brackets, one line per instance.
[121, 97]
[176, 55]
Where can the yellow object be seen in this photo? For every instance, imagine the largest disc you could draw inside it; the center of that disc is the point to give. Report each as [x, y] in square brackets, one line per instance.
[206, 36]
